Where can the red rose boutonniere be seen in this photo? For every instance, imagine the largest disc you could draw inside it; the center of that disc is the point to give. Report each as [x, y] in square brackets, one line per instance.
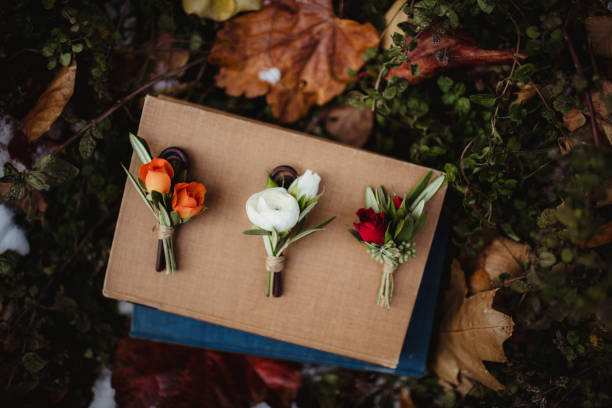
[387, 225]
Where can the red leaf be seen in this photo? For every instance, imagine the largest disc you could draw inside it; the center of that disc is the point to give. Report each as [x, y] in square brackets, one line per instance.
[165, 375]
[437, 52]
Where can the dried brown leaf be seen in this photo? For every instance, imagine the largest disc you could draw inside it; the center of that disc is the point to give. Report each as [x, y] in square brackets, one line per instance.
[503, 255]
[480, 281]
[602, 237]
[297, 53]
[471, 331]
[219, 10]
[525, 93]
[51, 103]
[574, 119]
[599, 30]
[394, 16]
[349, 125]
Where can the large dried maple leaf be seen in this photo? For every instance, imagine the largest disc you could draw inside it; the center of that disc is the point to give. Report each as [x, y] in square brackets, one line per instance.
[438, 51]
[470, 331]
[296, 52]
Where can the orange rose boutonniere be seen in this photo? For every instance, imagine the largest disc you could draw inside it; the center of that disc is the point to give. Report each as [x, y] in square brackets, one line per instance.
[162, 186]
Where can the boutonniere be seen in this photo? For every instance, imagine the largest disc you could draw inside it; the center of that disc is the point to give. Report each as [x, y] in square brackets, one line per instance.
[387, 225]
[279, 214]
[162, 186]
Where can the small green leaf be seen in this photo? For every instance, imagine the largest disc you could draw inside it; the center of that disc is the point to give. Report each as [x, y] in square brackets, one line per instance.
[355, 234]
[138, 189]
[16, 192]
[65, 59]
[76, 48]
[37, 180]
[486, 100]
[256, 231]
[414, 70]
[32, 362]
[486, 6]
[370, 200]
[407, 232]
[532, 32]
[55, 170]
[444, 83]
[141, 148]
[87, 145]
[547, 259]
[418, 189]
[270, 183]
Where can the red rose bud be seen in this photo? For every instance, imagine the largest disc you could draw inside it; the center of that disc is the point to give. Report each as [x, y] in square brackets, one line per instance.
[372, 226]
[397, 201]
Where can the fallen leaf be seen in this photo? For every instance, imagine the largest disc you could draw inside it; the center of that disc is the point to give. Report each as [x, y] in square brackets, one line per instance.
[394, 16]
[35, 201]
[503, 256]
[219, 10]
[525, 93]
[602, 113]
[599, 30]
[51, 103]
[149, 374]
[297, 53]
[480, 281]
[349, 125]
[573, 120]
[438, 51]
[470, 331]
[602, 237]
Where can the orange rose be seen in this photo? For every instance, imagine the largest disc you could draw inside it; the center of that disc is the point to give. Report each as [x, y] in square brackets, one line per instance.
[157, 175]
[188, 199]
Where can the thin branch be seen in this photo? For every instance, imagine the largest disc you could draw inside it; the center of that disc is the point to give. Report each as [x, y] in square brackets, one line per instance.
[124, 100]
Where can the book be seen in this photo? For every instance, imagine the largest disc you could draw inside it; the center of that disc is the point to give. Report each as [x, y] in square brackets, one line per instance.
[329, 282]
[152, 324]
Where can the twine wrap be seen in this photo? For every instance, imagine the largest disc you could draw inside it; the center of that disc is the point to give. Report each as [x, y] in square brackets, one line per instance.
[275, 263]
[388, 267]
[164, 232]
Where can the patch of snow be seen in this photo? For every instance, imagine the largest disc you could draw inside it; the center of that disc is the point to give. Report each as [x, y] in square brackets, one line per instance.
[7, 129]
[271, 75]
[104, 393]
[261, 405]
[11, 236]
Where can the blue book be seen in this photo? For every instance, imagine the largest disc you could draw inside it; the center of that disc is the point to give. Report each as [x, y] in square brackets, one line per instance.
[153, 324]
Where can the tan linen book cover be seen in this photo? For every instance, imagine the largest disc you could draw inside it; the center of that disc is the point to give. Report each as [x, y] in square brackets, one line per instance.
[330, 283]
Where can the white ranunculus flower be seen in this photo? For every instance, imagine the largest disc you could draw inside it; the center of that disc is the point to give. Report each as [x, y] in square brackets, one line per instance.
[273, 208]
[306, 185]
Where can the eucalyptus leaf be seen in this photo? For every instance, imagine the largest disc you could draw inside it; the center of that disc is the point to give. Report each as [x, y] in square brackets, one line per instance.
[418, 189]
[256, 231]
[370, 200]
[141, 148]
[141, 193]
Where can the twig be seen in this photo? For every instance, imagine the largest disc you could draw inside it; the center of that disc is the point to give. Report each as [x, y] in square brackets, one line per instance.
[587, 96]
[124, 100]
[536, 170]
[377, 85]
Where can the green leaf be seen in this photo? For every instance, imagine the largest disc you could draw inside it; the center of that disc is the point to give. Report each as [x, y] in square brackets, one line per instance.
[407, 232]
[324, 223]
[419, 223]
[462, 105]
[87, 145]
[414, 70]
[306, 210]
[256, 231]
[532, 32]
[65, 59]
[418, 209]
[444, 83]
[16, 192]
[453, 18]
[418, 189]
[486, 6]
[398, 228]
[547, 259]
[11, 174]
[382, 198]
[32, 362]
[370, 200]
[76, 48]
[274, 238]
[141, 148]
[141, 193]
[428, 192]
[270, 183]
[54, 170]
[37, 180]
[175, 217]
[388, 236]
[486, 100]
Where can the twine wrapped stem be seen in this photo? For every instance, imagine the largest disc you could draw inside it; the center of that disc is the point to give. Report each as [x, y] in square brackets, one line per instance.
[385, 292]
[274, 266]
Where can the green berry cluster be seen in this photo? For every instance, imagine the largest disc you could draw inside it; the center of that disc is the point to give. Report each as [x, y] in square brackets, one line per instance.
[392, 252]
